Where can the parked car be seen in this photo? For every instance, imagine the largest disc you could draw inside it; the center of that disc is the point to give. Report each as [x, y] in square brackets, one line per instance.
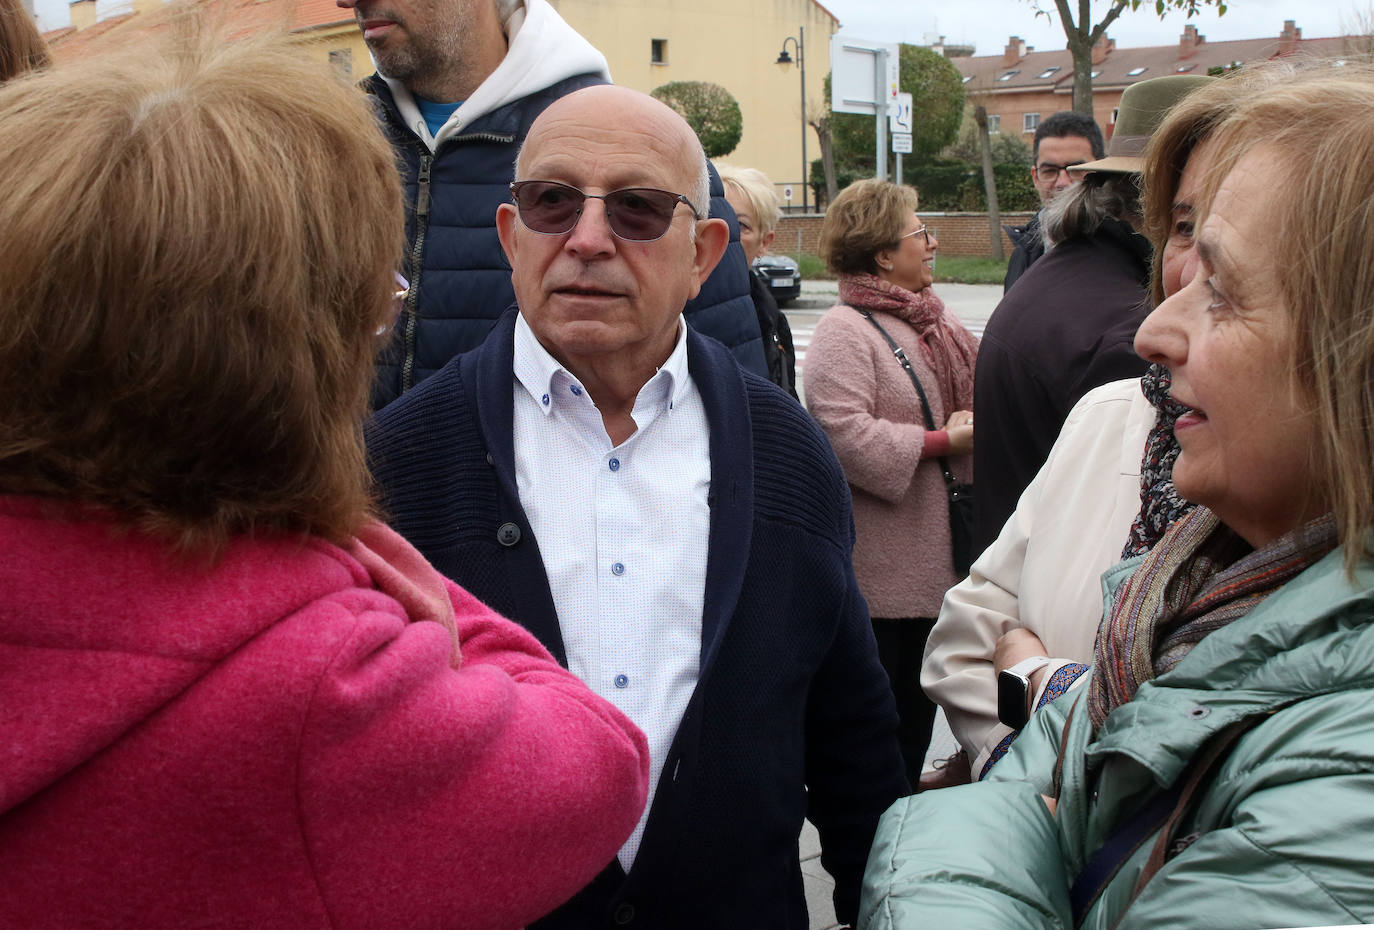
[782, 276]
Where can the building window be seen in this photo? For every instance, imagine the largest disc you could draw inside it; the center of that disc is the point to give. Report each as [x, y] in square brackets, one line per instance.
[1010, 74]
[1048, 72]
[342, 58]
[658, 51]
[1115, 112]
[969, 77]
[994, 123]
[1096, 74]
[1030, 122]
[1136, 72]
[1184, 69]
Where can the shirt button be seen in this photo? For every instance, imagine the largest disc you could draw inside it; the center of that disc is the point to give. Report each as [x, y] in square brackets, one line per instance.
[508, 534]
[1198, 713]
[577, 390]
[614, 464]
[625, 915]
[618, 569]
[622, 681]
[545, 400]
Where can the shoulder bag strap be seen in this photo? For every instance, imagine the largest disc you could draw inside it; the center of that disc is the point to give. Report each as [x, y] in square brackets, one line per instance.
[1158, 818]
[920, 391]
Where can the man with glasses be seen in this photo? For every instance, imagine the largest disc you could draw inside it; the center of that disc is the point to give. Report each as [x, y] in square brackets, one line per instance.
[1062, 141]
[675, 530]
[458, 83]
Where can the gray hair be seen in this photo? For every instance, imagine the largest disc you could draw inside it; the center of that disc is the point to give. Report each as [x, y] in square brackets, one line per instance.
[1081, 209]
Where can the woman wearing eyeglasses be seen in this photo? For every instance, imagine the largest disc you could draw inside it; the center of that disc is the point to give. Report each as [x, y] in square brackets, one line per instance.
[894, 454]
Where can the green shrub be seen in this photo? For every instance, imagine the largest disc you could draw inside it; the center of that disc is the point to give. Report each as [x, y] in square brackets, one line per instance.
[711, 111]
[1014, 190]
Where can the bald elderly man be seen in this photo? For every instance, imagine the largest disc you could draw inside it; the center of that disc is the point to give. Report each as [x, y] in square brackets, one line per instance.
[674, 529]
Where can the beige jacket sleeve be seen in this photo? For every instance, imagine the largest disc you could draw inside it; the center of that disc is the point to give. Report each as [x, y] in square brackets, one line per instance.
[1043, 572]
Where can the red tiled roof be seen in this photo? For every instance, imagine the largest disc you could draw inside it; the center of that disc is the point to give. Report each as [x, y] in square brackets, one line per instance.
[989, 72]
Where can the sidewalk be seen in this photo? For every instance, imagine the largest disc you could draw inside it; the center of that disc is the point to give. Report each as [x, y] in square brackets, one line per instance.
[973, 304]
[819, 885]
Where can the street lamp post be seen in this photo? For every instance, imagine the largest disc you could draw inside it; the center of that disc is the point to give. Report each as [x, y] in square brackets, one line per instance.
[784, 59]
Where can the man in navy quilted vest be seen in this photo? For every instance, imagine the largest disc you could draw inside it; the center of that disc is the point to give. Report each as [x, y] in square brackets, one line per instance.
[458, 84]
[674, 529]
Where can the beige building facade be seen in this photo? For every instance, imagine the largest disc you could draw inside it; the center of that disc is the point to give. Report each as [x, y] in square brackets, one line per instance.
[733, 43]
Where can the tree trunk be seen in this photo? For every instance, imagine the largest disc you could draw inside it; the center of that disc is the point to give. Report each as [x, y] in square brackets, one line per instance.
[980, 116]
[822, 127]
[1082, 51]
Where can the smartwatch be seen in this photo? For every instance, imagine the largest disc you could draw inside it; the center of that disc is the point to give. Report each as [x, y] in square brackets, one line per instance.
[1013, 689]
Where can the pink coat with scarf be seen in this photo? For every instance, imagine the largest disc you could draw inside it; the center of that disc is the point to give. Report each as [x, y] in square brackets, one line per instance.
[865, 402]
[272, 742]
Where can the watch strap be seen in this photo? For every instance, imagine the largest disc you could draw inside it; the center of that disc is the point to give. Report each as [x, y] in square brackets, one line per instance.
[1028, 667]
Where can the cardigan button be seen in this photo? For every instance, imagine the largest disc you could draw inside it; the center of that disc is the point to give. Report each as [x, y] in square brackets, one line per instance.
[624, 914]
[508, 534]
[1198, 713]
[490, 460]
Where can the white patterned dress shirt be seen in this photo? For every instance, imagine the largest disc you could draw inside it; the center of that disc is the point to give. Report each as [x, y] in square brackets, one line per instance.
[623, 532]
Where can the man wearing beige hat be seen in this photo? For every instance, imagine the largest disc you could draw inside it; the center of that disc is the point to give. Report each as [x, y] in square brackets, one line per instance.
[1069, 323]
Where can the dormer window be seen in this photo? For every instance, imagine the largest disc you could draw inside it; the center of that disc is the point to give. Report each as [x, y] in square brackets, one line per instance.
[1010, 74]
[1047, 72]
[1136, 72]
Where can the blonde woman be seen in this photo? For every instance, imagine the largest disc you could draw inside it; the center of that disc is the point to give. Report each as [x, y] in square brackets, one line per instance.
[756, 205]
[1213, 771]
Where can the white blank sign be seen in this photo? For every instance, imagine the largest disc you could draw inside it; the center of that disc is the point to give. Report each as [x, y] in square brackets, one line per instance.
[852, 85]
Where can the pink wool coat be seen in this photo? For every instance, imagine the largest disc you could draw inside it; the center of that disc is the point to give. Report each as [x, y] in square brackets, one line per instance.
[865, 402]
[271, 743]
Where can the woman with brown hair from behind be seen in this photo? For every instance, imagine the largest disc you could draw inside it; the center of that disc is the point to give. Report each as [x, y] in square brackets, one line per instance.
[229, 697]
[22, 49]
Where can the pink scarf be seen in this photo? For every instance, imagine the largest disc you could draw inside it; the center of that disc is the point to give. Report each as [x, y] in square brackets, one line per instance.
[947, 348]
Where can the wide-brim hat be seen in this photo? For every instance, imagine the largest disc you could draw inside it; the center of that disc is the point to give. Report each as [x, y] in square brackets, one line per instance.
[1143, 108]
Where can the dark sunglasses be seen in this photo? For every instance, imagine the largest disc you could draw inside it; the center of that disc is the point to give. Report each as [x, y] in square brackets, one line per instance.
[635, 214]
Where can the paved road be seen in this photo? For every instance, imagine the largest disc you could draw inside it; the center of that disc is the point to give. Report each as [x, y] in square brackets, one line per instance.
[973, 303]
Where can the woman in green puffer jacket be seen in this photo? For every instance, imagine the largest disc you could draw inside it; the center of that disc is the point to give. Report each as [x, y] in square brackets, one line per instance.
[1218, 770]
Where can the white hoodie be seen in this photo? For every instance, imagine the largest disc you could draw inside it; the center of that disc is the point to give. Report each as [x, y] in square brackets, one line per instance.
[543, 51]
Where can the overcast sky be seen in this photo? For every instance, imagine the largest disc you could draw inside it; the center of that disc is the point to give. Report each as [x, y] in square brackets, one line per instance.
[988, 23]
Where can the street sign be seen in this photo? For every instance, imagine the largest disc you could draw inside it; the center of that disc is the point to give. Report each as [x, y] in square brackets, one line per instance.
[899, 116]
[852, 79]
[787, 193]
[901, 143]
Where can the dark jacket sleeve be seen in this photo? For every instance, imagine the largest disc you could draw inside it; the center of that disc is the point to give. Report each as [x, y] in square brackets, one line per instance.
[724, 310]
[1029, 246]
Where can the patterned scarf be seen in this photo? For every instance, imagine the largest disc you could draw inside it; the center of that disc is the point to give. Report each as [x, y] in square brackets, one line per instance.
[947, 348]
[1160, 505]
[1197, 579]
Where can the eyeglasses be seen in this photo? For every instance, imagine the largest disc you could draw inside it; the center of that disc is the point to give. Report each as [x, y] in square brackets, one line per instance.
[1050, 171]
[635, 214]
[923, 231]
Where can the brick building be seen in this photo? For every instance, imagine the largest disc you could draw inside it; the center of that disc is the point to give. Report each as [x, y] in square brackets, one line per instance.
[1021, 86]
